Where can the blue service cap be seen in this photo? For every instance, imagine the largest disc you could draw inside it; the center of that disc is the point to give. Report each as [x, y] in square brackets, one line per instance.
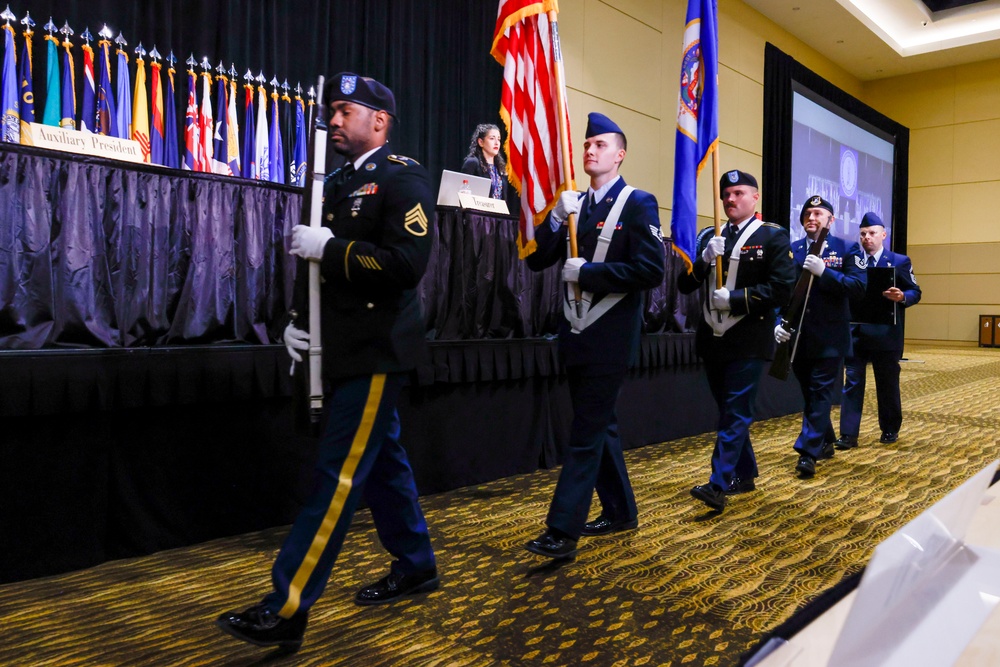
[598, 123]
[870, 220]
[736, 177]
[361, 90]
[815, 202]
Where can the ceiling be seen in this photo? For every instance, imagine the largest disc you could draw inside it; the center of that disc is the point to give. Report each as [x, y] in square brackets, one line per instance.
[876, 39]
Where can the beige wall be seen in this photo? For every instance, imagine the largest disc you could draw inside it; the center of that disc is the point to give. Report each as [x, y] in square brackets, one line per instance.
[953, 235]
[622, 58]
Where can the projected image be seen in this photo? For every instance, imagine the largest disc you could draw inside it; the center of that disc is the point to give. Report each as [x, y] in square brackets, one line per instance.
[843, 162]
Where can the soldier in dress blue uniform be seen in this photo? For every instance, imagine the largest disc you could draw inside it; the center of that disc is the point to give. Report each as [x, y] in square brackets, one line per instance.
[597, 345]
[372, 250]
[825, 335]
[735, 335]
[880, 344]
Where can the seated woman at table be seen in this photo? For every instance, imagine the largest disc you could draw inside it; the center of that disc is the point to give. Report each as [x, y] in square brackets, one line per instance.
[486, 160]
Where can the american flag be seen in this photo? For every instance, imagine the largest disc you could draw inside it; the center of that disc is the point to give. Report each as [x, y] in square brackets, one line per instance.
[523, 44]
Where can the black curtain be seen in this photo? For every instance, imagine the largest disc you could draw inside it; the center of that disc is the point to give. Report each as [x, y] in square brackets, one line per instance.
[780, 70]
[433, 55]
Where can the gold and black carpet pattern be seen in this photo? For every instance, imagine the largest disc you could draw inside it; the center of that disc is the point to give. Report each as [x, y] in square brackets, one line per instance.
[688, 587]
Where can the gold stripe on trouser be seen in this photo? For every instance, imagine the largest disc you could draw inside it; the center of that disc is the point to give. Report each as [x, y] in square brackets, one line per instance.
[333, 512]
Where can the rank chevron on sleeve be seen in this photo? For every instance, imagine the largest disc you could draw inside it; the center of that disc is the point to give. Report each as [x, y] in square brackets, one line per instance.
[415, 221]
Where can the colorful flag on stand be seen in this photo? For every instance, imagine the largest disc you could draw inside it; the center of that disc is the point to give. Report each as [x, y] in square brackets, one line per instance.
[68, 116]
[299, 158]
[140, 107]
[10, 120]
[124, 123]
[192, 127]
[697, 121]
[523, 44]
[171, 154]
[107, 115]
[276, 167]
[206, 120]
[53, 97]
[220, 136]
[261, 145]
[156, 129]
[287, 129]
[88, 113]
[249, 147]
[232, 127]
[26, 104]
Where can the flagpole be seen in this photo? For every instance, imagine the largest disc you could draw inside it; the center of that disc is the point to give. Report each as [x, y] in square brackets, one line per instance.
[718, 212]
[564, 141]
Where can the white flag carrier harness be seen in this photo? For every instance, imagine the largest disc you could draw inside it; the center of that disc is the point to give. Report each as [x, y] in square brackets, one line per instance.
[721, 322]
[590, 315]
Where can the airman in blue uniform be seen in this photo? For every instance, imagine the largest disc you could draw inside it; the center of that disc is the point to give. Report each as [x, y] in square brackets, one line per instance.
[735, 335]
[824, 338]
[598, 343]
[372, 250]
[880, 344]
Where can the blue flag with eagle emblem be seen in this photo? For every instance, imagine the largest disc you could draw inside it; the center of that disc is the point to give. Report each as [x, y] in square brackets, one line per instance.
[697, 121]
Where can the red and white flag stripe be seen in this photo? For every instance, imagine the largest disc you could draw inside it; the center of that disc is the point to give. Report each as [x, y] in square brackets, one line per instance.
[523, 44]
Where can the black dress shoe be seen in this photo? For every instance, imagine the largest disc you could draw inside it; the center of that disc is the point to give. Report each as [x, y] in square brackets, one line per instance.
[806, 466]
[826, 452]
[262, 627]
[846, 442]
[395, 585]
[888, 437]
[740, 485]
[552, 546]
[711, 495]
[602, 525]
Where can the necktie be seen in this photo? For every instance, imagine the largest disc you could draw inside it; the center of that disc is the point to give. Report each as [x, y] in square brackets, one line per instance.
[345, 174]
[734, 231]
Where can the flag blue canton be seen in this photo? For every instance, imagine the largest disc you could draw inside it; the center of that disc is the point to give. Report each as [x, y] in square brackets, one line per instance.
[697, 120]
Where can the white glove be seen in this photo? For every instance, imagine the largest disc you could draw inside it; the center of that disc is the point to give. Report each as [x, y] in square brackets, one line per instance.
[716, 248]
[295, 339]
[571, 269]
[815, 265]
[308, 242]
[569, 202]
[720, 299]
[780, 335]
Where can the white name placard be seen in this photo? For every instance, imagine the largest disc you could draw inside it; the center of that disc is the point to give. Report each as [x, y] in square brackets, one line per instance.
[487, 204]
[85, 143]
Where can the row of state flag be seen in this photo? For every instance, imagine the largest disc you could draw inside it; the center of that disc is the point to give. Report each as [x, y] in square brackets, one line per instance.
[147, 113]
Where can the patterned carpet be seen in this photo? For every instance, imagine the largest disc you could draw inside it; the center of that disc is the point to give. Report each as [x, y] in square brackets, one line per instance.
[688, 588]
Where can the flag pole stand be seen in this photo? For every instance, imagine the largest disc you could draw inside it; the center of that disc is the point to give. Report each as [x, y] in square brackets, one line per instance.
[564, 143]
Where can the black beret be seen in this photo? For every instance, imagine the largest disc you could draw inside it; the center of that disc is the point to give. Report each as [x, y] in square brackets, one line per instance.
[815, 202]
[361, 90]
[736, 177]
[870, 220]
